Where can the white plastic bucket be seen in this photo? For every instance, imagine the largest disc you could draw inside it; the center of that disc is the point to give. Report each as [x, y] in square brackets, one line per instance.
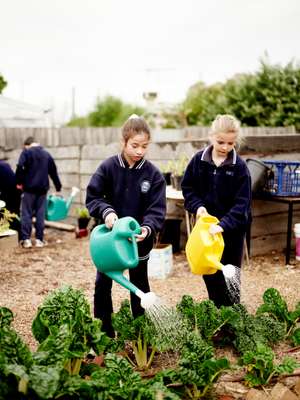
[297, 237]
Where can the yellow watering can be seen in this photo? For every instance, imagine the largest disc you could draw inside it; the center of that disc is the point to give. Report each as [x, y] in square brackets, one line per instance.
[204, 250]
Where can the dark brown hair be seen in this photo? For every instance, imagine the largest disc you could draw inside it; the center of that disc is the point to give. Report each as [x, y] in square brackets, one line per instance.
[28, 141]
[133, 126]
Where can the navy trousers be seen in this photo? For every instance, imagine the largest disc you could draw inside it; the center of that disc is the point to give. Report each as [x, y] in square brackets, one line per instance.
[215, 283]
[33, 205]
[103, 307]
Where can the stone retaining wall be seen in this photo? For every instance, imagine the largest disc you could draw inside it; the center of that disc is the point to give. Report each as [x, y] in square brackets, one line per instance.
[78, 152]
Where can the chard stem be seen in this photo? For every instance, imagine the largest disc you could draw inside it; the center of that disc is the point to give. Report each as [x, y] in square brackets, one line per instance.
[151, 357]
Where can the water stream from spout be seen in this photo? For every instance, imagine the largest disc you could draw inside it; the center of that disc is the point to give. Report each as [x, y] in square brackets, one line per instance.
[233, 281]
[168, 323]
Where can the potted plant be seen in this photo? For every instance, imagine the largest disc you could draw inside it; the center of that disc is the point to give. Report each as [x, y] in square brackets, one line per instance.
[178, 171]
[83, 217]
[166, 170]
[6, 217]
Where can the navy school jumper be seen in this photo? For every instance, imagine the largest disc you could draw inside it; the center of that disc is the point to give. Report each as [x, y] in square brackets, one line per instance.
[138, 192]
[225, 192]
[34, 167]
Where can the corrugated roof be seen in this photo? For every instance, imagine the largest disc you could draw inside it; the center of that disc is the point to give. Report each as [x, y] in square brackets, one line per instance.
[18, 114]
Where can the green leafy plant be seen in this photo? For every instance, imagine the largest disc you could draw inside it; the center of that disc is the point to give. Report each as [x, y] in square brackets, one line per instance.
[65, 319]
[167, 167]
[267, 97]
[261, 367]
[139, 332]
[15, 359]
[6, 217]
[197, 369]
[3, 83]
[276, 307]
[109, 111]
[82, 212]
[180, 165]
[234, 323]
[248, 330]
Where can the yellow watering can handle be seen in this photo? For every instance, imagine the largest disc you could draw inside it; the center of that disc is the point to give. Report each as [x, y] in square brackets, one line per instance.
[204, 250]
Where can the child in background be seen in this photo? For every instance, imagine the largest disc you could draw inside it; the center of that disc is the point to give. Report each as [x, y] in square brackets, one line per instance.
[217, 182]
[34, 167]
[127, 185]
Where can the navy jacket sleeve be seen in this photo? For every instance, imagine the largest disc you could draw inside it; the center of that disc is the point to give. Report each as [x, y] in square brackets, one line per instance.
[21, 168]
[156, 210]
[240, 214]
[192, 200]
[53, 173]
[96, 199]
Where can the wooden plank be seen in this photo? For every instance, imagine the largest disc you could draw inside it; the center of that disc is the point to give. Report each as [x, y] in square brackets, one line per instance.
[9, 241]
[60, 225]
[266, 244]
[261, 207]
[272, 224]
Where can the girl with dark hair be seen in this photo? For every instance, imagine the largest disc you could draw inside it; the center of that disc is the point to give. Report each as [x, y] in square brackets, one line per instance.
[124, 185]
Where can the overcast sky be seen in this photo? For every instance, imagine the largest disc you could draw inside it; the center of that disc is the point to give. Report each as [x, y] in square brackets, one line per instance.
[127, 47]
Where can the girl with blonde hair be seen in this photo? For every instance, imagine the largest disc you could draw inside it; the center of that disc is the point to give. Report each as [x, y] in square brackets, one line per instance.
[217, 182]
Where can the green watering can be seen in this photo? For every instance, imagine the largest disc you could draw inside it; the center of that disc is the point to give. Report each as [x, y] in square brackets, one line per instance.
[114, 250]
[58, 207]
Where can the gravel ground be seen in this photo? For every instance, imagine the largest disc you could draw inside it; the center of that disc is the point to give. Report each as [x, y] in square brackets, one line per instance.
[28, 275]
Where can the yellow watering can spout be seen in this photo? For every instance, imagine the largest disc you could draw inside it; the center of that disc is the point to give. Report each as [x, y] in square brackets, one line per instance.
[204, 250]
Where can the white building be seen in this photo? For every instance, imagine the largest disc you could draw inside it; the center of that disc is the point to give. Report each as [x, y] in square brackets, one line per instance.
[17, 114]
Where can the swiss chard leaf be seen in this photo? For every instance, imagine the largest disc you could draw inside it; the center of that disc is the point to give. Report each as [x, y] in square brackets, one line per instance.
[275, 305]
[68, 306]
[261, 367]
[139, 331]
[6, 317]
[13, 349]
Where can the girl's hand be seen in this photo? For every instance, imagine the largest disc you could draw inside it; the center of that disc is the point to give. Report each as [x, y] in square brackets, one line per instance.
[142, 235]
[214, 229]
[110, 220]
[201, 212]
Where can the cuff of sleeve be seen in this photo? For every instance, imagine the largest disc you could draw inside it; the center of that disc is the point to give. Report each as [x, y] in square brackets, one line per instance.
[107, 211]
[222, 225]
[148, 229]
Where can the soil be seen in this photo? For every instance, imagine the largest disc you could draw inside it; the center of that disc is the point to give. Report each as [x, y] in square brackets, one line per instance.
[28, 275]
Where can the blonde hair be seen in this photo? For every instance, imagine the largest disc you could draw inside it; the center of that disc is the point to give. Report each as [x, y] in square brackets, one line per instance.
[133, 126]
[226, 123]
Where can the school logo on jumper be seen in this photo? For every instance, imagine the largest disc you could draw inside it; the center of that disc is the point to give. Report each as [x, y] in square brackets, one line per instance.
[145, 186]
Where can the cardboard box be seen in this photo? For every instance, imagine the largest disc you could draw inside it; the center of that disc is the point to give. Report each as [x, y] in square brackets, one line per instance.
[161, 261]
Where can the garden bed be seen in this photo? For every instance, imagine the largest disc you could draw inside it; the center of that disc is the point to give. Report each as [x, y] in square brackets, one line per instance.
[28, 275]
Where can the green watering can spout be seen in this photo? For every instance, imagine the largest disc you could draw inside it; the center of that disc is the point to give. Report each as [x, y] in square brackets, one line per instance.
[74, 192]
[118, 277]
[114, 250]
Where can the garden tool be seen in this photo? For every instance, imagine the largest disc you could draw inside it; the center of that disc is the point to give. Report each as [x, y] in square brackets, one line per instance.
[204, 250]
[114, 250]
[58, 207]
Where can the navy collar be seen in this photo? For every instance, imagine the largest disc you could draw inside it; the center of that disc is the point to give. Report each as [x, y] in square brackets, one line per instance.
[207, 156]
[124, 164]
